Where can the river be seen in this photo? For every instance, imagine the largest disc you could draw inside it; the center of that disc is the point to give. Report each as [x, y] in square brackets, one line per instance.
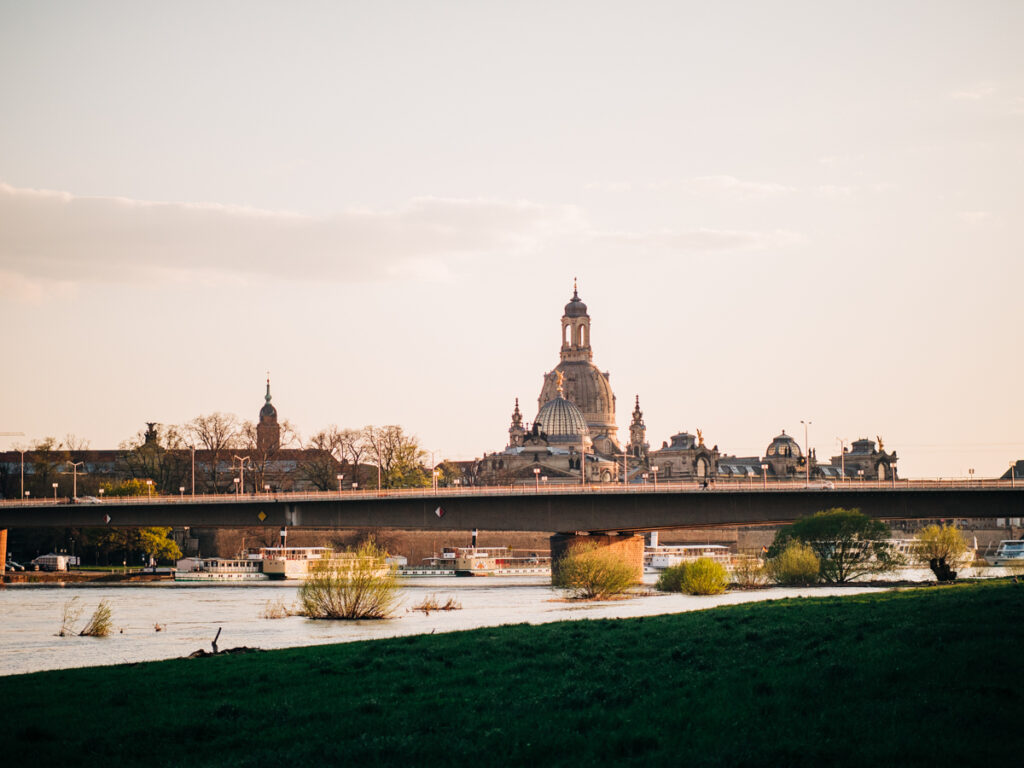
[189, 616]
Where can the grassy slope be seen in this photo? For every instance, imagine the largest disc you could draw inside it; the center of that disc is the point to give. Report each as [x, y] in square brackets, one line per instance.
[928, 676]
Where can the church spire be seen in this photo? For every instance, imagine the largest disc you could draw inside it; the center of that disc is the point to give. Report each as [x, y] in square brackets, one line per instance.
[267, 398]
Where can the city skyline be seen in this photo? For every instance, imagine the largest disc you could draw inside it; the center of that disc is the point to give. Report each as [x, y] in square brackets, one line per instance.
[775, 214]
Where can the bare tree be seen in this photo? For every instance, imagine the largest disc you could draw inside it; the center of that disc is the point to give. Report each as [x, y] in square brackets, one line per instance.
[263, 456]
[398, 455]
[218, 434]
[159, 454]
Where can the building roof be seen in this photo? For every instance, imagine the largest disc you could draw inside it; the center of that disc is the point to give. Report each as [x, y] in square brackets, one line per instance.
[562, 422]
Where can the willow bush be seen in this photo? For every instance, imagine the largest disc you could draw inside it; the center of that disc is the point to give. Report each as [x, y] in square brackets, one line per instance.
[590, 572]
[361, 585]
[671, 579]
[705, 576]
[796, 565]
[748, 572]
[101, 622]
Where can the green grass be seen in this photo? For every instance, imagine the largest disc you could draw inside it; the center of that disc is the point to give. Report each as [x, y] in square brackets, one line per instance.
[924, 677]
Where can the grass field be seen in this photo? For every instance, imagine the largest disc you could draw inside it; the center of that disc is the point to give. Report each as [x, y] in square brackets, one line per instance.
[929, 676]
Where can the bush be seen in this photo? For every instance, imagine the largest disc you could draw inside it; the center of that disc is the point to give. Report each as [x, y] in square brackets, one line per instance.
[671, 579]
[796, 565]
[705, 576]
[748, 572]
[941, 548]
[590, 572]
[360, 586]
[101, 622]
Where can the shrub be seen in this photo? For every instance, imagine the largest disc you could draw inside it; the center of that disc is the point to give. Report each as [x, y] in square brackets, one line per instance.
[433, 603]
[100, 624]
[941, 548]
[671, 579]
[796, 565]
[72, 610]
[748, 572]
[360, 586]
[590, 572]
[705, 576]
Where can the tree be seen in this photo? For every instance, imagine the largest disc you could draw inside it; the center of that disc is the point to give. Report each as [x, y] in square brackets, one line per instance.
[262, 456]
[319, 464]
[156, 454]
[847, 542]
[218, 434]
[592, 572]
[398, 455]
[941, 548]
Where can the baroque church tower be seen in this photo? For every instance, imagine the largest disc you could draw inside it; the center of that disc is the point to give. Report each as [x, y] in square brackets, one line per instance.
[638, 446]
[268, 433]
[585, 386]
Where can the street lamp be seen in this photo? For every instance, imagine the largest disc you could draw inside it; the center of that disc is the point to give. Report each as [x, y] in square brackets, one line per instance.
[842, 456]
[55, 492]
[971, 473]
[436, 474]
[237, 481]
[23, 472]
[149, 488]
[860, 474]
[74, 477]
[645, 479]
[807, 452]
[241, 469]
[355, 486]
[266, 489]
[193, 449]
[102, 490]
[181, 491]
[1013, 466]
[340, 478]
[764, 476]
[27, 494]
[536, 479]
[655, 471]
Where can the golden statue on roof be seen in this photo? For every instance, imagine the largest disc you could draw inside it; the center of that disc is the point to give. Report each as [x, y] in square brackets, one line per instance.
[700, 438]
[561, 381]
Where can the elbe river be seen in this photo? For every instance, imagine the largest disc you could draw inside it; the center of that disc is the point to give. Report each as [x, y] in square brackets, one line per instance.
[190, 614]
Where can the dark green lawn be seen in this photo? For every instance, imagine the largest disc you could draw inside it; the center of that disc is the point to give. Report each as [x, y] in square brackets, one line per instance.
[929, 676]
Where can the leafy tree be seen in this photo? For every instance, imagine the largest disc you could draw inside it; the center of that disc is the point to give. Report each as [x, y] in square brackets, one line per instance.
[155, 542]
[705, 576]
[941, 548]
[847, 542]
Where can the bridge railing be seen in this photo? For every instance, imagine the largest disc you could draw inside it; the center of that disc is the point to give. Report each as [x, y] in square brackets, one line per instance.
[662, 486]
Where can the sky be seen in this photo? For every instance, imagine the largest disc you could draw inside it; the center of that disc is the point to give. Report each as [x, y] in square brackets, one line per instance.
[776, 211]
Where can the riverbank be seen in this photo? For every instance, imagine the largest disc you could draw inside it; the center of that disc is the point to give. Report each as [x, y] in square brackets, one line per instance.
[918, 677]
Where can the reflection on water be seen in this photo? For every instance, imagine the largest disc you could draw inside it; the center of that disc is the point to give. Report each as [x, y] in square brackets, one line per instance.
[190, 615]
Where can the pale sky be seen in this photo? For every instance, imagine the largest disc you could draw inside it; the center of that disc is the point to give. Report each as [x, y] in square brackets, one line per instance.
[776, 211]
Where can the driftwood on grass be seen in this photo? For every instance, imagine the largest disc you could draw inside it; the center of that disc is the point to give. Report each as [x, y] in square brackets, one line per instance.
[226, 652]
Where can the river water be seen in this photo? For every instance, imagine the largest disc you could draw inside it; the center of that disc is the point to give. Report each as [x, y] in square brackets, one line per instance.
[190, 615]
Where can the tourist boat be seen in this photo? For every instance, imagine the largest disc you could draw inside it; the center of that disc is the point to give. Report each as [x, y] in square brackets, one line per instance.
[483, 561]
[297, 562]
[658, 558]
[1009, 552]
[216, 569]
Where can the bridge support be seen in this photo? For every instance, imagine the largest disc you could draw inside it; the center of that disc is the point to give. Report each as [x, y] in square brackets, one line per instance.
[3, 552]
[628, 547]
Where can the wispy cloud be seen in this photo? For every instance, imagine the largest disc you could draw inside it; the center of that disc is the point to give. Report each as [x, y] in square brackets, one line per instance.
[50, 237]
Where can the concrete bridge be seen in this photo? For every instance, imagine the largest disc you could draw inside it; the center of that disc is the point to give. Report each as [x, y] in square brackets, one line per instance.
[597, 510]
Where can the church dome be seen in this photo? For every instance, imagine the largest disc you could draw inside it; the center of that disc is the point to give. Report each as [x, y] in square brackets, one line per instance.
[784, 446]
[575, 307]
[267, 411]
[562, 422]
[587, 387]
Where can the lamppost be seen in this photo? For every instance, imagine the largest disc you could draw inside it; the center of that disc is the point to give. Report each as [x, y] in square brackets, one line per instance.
[645, 479]
[181, 491]
[764, 477]
[436, 474]
[971, 473]
[842, 456]
[807, 452]
[149, 488]
[193, 449]
[266, 489]
[27, 494]
[241, 469]
[1013, 466]
[74, 477]
[340, 478]
[655, 471]
[355, 486]
[55, 492]
[237, 481]
[23, 471]
[536, 479]
[102, 491]
[860, 474]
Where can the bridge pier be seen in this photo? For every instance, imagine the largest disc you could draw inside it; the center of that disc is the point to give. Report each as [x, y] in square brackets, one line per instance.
[3, 552]
[627, 547]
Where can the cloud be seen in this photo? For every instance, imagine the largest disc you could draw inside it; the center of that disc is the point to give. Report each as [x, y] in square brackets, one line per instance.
[51, 240]
[974, 93]
[59, 236]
